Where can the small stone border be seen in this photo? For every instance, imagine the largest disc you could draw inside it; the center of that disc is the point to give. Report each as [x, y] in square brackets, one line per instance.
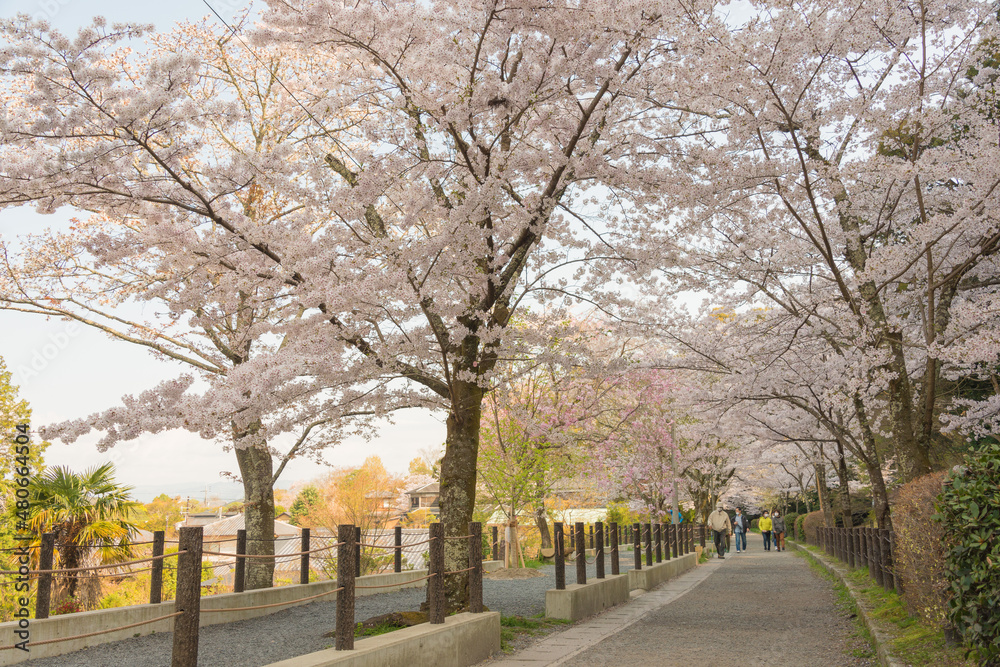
[879, 638]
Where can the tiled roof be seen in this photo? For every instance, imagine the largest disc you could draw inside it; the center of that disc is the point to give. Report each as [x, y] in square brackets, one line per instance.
[232, 524]
[433, 487]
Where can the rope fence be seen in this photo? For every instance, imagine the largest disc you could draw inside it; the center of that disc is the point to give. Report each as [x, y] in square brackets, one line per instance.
[98, 632]
[412, 581]
[96, 567]
[191, 564]
[273, 604]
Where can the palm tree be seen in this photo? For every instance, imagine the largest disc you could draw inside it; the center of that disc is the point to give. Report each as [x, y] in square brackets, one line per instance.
[85, 511]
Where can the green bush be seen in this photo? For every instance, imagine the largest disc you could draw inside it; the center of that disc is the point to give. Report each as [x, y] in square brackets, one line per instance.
[969, 509]
[790, 525]
[800, 531]
[810, 525]
[917, 549]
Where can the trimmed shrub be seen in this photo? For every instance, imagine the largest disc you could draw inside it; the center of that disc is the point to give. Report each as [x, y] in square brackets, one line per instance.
[969, 509]
[800, 532]
[790, 525]
[810, 523]
[918, 550]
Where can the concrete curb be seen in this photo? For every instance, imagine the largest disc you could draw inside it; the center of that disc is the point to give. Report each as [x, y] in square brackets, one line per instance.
[462, 640]
[578, 601]
[879, 638]
[107, 620]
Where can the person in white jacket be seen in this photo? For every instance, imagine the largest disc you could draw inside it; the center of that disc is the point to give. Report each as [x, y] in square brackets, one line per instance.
[718, 522]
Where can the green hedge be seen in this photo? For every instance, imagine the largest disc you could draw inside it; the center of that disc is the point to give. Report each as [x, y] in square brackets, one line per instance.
[790, 525]
[969, 509]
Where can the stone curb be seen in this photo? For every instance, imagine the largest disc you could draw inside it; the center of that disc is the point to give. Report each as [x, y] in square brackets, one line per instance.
[879, 638]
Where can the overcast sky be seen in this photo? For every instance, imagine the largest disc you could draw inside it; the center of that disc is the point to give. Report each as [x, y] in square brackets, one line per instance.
[68, 372]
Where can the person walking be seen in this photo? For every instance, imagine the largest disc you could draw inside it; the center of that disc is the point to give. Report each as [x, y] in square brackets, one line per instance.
[764, 523]
[739, 531]
[718, 522]
[778, 531]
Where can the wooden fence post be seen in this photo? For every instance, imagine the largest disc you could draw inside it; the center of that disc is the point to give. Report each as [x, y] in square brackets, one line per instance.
[614, 547]
[44, 594]
[357, 551]
[346, 553]
[859, 552]
[557, 537]
[304, 558]
[637, 545]
[877, 556]
[435, 585]
[591, 529]
[866, 538]
[188, 598]
[702, 535]
[581, 555]
[476, 563]
[240, 573]
[658, 529]
[887, 575]
[156, 576]
[599, 542]
[648, 537]
[892, 561]
[397, 553]
[496, 543]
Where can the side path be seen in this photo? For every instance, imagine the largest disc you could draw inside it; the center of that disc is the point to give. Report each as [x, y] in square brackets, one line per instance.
[754, 608]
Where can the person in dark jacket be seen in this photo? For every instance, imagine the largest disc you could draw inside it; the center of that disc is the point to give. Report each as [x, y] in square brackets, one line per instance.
[778, 531]
[739, 531]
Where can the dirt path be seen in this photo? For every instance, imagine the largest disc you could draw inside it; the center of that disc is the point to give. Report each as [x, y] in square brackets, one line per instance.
[759, 608]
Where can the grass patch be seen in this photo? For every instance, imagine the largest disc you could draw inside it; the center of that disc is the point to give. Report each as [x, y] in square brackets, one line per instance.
[380, 629]
[912, 641]
[511, 627]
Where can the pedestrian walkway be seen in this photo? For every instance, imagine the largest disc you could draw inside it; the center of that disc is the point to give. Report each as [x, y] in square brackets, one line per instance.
[754, 608]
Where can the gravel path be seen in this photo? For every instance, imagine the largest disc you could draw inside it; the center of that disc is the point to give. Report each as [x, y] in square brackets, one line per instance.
[299, 630]
[759, 608]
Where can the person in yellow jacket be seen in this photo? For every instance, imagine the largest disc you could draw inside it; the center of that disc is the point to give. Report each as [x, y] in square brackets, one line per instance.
[764, 523]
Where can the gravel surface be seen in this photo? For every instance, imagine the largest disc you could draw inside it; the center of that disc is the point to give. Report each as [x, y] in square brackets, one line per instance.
[297, 631]
[759, 608]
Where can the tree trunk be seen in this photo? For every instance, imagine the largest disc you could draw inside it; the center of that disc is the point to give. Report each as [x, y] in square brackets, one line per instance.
[823, 492]
[257, 469]
[542, 522]
[845, 489]
[458, 486]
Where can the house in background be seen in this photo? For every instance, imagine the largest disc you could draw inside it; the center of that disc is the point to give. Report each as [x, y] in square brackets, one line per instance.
[222, 533]
[204, 518]
[425, 497]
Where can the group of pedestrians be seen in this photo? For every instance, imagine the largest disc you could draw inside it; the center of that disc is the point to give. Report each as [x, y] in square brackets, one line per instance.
[772, 525]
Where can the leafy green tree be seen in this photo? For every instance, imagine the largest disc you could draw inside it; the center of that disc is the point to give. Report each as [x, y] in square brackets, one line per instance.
[85, 510]
[163, 512]
[304, 503]
[14, 411]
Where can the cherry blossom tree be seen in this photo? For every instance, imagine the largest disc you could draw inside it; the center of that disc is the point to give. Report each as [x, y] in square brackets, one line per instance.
[150, 144]
[455, 156]
[845, 183]
[489, 128]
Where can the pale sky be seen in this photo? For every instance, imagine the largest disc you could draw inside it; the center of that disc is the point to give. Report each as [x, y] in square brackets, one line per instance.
[70, 372]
